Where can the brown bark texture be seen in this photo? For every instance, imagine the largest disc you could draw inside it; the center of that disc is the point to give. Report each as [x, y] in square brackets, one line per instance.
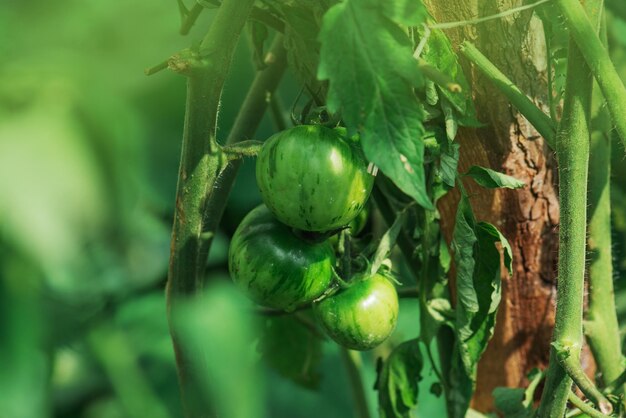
[528, 217]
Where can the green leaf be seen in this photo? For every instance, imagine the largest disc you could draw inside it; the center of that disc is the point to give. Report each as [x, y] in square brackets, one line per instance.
[387, 242]
[518, 402]
[461, 387]
[398, 381]
[292, 350]
[492, 179]
[510, 401]
[302, 25]
[477, 283]
[458, 106]
[449, 162]
[359, 45]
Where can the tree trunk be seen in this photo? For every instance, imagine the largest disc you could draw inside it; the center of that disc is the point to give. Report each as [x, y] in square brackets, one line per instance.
[528, 217]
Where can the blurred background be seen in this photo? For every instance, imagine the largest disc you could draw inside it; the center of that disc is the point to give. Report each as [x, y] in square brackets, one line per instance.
[89, 151]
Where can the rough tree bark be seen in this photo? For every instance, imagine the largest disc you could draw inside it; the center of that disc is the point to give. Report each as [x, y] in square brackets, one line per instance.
[529, 217]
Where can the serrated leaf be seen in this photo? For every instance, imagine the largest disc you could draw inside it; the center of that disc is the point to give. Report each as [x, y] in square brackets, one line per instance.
[375, 98]
[387, 242]
[302, 24]
[398, 381]
[491, 179]
[477, 283]
[292, 350]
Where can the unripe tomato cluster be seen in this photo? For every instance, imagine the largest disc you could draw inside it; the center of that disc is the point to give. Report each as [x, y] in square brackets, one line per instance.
[313, 181]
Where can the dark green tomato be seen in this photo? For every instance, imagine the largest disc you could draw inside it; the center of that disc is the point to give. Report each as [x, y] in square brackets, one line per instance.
[273, 266]
[361, 316]
[313, 178]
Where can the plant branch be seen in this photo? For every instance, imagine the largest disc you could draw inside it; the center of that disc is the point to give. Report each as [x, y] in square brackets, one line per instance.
[258, 14]
[201, 165]
[352, 361]
[190, 18]
[238, 150]
[584, 406]
[438, 77]
[572, 150]
[569, 358]
[601, 325]
[542, 122]
[598, 60]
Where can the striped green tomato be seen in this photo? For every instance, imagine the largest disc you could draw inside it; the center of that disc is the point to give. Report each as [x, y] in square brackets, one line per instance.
[274, 267]
[361, 316]
[313, 178]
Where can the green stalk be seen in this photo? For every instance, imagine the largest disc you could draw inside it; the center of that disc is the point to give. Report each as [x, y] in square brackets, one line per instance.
[585, 407]
[202, 162]
[352, 361]
[542, 122]
[601, 325]
[572, 150]
[598, 60]
[197, 217]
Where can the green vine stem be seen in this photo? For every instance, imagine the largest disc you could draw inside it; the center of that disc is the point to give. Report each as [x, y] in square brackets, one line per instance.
[569, 359]
[585, 407]
[597, 58]
[601, 325]
[542, 122]
[352, 361]
[201, 164]
[572, 150]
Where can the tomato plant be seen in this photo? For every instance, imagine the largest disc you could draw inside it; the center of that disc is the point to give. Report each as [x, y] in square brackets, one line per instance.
[276, 268]
[361, 316]
[313, 178]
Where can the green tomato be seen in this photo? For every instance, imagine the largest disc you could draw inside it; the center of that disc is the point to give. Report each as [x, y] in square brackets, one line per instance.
[361, 316]
[313, 178]
[274, 267]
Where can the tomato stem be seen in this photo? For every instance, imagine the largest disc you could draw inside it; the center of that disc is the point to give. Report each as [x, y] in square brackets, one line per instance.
[597, 58]
[601, 325]
[201, 166]
[542, 122]
[572, 150]
[584, 406]
[568, 357]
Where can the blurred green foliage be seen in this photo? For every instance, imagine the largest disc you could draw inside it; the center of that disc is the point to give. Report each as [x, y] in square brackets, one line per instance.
[89, 150]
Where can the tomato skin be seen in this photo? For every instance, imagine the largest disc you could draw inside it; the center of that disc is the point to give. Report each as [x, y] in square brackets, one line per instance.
[313, 178]
[274, 267]
[361, 316]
